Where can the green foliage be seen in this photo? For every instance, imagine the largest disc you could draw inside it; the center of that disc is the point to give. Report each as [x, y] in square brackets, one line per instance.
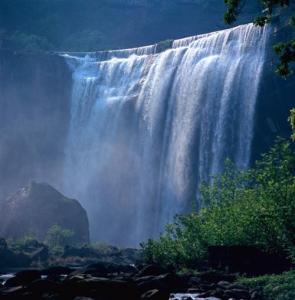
[57, 238]
[102, 248]
[25, 42]
[253, 207]
[285, 51]
[181, 245]
[261, 20]
[274, 287]
[26, 244]
[292, 123]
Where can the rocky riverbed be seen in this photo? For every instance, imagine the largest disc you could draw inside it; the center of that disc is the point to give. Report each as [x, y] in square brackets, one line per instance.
[109, 281]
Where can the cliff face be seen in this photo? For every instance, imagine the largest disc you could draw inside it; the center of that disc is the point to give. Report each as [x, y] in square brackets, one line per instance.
[34, 113]
[275, 99]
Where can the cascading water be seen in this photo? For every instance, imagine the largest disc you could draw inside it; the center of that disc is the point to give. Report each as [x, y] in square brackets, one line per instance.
[147, 127]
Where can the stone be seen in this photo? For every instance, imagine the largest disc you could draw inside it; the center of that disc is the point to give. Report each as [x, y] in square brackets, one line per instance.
[155, 295]
[206, 294]
[12, 292]
[194, 281]
[223, 284]
[237, 293]
[23, 278]
[218, 293]
[194, 291]
[103, 287]
[38, 206]
[102, 268]
[57, 271]
[168, 282]
[42, 286]
[255, 295]
[151, 270]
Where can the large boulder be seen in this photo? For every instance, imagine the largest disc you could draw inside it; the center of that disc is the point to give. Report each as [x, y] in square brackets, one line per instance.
[36, 207]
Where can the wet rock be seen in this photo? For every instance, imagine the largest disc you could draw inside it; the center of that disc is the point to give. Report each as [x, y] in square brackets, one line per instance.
[194, 291]
[255, 295]
[41, 286]
[238, 286]
[151, 270]
[218, 293]
[223, 284]
[57, 271]
[167, 282]
[194, 281]
[23, 278]
[12, 292]
[206, 286]
[206, 294]
[102, 287]
[155, 295]
[102, 269]
[237, 293]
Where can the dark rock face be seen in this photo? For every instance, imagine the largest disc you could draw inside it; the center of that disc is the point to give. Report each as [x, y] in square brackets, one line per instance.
[247, 259]
[34, 112]
[23, 278]
[37, 207]
[275, 99]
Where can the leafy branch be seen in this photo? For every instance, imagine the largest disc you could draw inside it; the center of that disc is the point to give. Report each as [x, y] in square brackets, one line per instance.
[285, 51]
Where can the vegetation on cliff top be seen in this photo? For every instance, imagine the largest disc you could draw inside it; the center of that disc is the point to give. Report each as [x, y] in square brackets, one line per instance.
[77, 25]
[285, 50]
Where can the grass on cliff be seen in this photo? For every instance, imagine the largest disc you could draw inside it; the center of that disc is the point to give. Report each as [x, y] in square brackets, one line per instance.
[253, 207]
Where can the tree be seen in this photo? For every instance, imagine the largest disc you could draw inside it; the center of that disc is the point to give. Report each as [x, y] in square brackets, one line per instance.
[57, 238]
[285, 50]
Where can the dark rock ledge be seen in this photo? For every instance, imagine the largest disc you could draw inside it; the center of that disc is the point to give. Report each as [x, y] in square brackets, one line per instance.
[109, 281]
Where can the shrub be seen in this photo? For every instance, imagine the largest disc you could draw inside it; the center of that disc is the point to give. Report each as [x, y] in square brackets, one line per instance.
[27, 244]
[252, 207]
[274, 287]
[57, 238]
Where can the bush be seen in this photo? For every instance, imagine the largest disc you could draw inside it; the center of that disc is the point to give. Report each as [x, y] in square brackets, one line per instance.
[24, 42]
[27, 244]
[57, 238]
[253, 207]
[274, 287]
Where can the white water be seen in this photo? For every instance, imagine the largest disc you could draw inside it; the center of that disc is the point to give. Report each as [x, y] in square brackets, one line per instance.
[146, 128]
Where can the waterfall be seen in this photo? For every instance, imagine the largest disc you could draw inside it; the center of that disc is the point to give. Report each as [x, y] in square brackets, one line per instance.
[147, 127]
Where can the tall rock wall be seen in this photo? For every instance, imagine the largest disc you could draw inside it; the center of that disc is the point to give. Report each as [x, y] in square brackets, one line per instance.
[34, 116]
